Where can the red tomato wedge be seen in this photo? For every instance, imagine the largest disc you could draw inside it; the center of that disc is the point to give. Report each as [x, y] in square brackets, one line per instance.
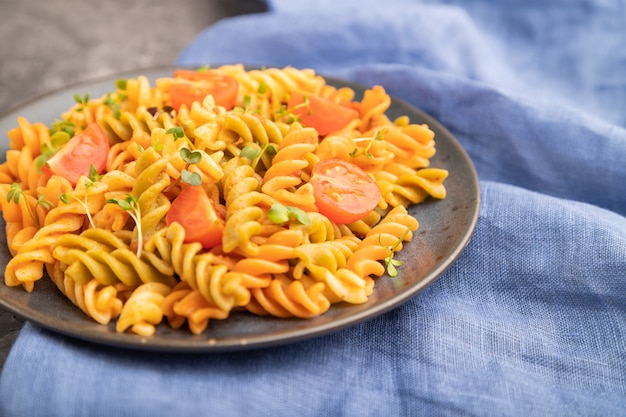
[199, 216]
[90, 147]
[190, 86]
[343, 192]
[317, 112]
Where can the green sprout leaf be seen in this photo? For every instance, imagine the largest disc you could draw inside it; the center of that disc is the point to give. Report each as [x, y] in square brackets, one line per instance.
[250, 152]
[190, 157]
[281, 214]
[370, 142]
[191, 178]
[93, 174]
[65, 198]
[254, 154]
[390, 262]
[114, 105]
[246, 102]
[178, 132]
[120, 84]
[16, 193]
[63, 126]
[82, 101]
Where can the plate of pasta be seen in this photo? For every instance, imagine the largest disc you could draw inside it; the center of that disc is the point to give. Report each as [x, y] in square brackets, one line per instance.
[225, 207]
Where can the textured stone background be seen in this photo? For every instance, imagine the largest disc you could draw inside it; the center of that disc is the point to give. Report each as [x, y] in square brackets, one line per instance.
[46, 45]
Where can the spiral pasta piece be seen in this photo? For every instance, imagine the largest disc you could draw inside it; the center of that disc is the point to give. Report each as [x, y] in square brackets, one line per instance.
[285, 297]
[99, 254]
[283, 180]
[142, 311]
[381, 240]
[101, 303]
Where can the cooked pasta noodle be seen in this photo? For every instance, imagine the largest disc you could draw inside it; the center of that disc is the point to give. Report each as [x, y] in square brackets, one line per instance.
[118, 245]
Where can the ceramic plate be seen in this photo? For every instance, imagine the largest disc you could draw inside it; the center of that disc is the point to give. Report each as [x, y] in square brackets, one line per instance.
[445, 229]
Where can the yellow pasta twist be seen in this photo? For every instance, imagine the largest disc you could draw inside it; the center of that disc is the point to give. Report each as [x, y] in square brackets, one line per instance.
[327, 262]
[284, 178]
[387, 236]
[101, 255]
[266, 88]
[142, 311]
[151, 180]
[402, 186]
[222, 280]
[244, 215]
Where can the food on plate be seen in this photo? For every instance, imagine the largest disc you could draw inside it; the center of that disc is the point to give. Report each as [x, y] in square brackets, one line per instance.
[186, 198]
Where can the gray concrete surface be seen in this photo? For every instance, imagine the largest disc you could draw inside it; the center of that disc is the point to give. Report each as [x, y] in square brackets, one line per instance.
[48, 44]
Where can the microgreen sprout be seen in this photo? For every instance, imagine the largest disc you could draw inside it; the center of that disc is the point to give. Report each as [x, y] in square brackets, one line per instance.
[16, 192]
[60, 133]
[157, 145]
[370, 142]
[389, 260]
[63, 126]
[93, 177]
[121, 84]
[186, 176]
[82, 101]
[190, 158]
[114, 105]
[254, 154]
[178, 132]
[247, 99]
[281, 214]
[131, 205]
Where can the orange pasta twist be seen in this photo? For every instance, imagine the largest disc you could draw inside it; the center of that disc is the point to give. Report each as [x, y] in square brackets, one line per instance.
[284, 297]
[373, 107]
[184, 304]
[26, 266]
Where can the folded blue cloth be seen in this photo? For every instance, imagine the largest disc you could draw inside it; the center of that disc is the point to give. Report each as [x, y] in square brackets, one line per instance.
[530, 320]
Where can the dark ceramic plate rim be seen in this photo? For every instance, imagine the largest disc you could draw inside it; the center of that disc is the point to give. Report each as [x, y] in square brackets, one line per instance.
[446, 227]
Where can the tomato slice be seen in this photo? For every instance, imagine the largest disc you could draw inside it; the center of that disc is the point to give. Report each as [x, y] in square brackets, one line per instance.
[190, 86]
[320, 113]
[90, 147]
[343, 192]
[198, 215]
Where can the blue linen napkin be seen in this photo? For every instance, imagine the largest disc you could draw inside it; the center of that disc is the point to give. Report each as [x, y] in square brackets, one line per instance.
[530, 320]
